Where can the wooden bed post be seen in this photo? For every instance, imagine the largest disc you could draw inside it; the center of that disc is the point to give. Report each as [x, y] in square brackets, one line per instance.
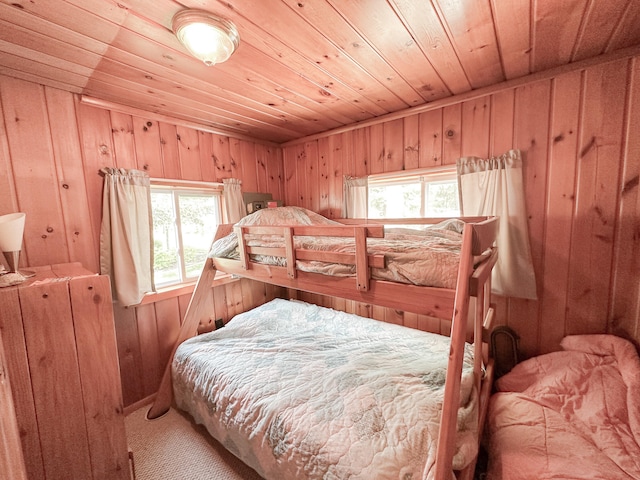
[448, 423]
[189, 329]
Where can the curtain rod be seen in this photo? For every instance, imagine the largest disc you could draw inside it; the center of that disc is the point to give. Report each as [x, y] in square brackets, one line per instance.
[184, 183]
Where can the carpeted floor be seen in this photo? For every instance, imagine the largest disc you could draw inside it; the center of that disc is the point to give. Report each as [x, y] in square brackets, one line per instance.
[172, 447]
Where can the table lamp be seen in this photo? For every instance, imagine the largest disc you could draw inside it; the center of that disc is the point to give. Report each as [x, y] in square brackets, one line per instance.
[11, 231]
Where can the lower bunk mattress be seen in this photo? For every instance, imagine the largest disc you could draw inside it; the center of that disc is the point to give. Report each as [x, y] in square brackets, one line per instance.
[300, 391]
[573, 414]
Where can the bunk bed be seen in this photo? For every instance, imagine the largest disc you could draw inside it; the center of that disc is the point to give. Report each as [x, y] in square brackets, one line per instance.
[294, 254]
[573, 414]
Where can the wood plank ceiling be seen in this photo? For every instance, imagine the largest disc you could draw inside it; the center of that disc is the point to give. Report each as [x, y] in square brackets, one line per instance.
[303, 66]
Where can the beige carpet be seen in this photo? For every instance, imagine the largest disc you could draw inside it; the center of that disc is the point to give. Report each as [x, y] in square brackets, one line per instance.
[172, 447]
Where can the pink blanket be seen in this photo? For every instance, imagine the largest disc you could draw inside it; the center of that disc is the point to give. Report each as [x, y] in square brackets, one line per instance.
[573, 414]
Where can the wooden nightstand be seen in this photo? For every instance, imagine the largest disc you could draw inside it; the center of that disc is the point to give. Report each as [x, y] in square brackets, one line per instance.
[59, 340]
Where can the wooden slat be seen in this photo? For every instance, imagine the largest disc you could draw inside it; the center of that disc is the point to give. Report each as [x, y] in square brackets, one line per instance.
[431, 36]
[189, 152]
[97, 152]
[333, 26]
[430, 138]
[96, 343]
[11, 459]
[129, 355]
[261, 162]
[336, 180]
[324, 155]
[221, 157]
[598, 26]
[150, 352]
[560, 206]
[434, 301]
[375, 261]
[599, 166]
[169, 146]
[376, 152]
[502, 119]
[25, 112]
[371, 231]
[624, 36]
[513, 27]
[17, 365]
[70, 174]
[207, 165]
[532, 137]
[248, 163]
[625, 302]
[475, 124]
[451, 134]
[242, 247]
[53, 364]
[290, 252]
[550, 23]
[310, 173]
[123, 143]
[473, 37]
[148, 147]
[168, 326]
[362, 265]
[393, 146]
[411, 142]
[448, 423]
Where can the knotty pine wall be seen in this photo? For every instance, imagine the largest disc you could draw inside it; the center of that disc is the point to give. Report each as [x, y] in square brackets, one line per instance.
[582, 165]
[579, 134]
[51, 150]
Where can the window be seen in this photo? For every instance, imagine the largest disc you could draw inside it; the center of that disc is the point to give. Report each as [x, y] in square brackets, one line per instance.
[185, 218]
[412, 195]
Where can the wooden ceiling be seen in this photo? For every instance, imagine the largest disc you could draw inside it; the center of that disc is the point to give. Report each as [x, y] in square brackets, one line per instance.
[303, 66]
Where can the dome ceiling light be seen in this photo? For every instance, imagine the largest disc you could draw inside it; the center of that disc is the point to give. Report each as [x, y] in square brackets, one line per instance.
[207, 37]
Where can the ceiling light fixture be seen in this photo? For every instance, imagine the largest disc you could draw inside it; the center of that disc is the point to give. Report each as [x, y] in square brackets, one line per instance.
[210, 38]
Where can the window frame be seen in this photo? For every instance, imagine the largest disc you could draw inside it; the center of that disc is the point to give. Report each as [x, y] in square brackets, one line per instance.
[176, 188]
[422, 176]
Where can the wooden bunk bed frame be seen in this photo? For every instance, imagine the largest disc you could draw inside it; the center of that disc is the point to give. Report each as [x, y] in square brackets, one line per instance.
[478, 235]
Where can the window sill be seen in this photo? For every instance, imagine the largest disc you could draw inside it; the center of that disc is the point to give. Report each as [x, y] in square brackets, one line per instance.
[178, 290]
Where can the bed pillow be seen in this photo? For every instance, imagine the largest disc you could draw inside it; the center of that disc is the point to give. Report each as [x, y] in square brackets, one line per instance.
[285, 216]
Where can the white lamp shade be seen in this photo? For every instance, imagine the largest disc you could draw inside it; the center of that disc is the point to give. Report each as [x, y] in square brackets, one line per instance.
[11, 231]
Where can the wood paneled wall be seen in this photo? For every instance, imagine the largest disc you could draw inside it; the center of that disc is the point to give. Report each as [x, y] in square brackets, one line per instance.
[51, 150]
[582, 165]
[578, 132]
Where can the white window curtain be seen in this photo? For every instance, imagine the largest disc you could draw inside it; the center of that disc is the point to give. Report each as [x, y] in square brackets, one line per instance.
[494, 186]
[234, 205]
[355, 197]
[126, 234]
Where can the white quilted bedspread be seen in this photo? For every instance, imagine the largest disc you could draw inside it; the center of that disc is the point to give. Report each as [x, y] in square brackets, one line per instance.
[298, 391]
[428, 257]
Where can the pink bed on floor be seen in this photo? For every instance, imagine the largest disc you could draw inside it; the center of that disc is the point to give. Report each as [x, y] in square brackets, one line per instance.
[572, 414]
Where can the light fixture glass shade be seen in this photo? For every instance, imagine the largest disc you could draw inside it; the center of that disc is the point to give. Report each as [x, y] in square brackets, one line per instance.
[11, 231]
[210, 38]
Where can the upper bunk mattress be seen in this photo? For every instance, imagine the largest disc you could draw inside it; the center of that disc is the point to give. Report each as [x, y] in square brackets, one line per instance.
[427, 257]
[300, 391]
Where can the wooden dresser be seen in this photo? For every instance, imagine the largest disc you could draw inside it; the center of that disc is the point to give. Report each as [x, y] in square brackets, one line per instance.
[60, 347]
